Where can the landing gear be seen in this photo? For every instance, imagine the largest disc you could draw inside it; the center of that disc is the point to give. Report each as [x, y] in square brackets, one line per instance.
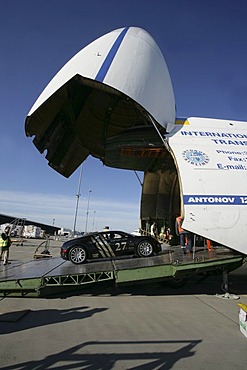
[225, 288]
[177, 282]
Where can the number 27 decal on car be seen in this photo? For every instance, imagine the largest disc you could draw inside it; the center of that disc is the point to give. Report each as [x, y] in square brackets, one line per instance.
[120, 246]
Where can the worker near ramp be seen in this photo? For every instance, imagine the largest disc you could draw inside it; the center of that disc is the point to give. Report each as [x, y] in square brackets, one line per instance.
[184, 236]
[153, 230]
[5, 244]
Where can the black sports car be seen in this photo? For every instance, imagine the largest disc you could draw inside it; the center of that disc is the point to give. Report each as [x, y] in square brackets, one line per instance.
[108, 244]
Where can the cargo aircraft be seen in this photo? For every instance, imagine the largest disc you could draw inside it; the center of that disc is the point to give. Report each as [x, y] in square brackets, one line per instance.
[114, 100]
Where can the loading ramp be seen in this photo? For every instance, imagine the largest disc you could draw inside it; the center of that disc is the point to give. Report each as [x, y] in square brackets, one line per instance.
[36, 276]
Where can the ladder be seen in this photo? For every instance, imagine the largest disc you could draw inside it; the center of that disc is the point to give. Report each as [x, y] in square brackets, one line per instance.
[17, 228]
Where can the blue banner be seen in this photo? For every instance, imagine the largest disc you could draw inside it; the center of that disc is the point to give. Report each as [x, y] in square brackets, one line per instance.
[215, 199]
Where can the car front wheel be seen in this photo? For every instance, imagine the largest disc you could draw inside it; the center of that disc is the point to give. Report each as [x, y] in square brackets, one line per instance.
[78, 255]
[145, 249]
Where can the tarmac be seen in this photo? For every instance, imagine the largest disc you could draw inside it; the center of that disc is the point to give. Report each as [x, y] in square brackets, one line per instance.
[148, 326]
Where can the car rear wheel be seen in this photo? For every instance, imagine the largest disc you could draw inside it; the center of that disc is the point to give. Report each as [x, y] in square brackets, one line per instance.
[78, 255]
[145, 249]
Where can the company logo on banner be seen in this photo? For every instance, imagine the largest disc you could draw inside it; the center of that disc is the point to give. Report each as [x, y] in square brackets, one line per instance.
[195, 157]
[215, 199]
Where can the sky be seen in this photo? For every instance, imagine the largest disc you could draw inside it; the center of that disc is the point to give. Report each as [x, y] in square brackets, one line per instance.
[204, 44]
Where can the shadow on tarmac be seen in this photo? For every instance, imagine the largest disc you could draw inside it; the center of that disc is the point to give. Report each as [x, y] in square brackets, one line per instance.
[39, 318]
[107, 355]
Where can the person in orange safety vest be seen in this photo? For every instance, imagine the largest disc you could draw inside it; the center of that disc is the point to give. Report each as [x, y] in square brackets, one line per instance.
[184, 236]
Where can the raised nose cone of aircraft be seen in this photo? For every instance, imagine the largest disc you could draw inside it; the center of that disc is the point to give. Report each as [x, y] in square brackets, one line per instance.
[100, 101]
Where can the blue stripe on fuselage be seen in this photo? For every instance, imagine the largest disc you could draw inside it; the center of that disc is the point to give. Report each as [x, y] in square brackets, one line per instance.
[110, 56]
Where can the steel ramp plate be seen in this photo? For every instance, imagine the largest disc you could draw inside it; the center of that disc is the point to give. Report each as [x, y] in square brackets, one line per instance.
[57, 266]
[29, 270]
[36, 274]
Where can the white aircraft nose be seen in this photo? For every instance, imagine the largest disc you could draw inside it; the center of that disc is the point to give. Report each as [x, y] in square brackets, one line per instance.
[112, 85]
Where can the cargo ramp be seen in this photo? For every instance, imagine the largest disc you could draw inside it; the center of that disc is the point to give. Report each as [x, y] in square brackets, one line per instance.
[41, 277]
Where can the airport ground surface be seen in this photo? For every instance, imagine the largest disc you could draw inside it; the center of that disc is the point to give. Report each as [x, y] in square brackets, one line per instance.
[137, 327]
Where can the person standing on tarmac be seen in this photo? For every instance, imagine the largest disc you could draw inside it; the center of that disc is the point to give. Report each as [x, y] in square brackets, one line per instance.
[184, 236]
[5, 244]
[153, 230]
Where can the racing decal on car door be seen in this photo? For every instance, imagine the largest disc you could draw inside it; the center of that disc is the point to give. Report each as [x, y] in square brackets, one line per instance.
[101, 245]
[106, 245]
[101, 252]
